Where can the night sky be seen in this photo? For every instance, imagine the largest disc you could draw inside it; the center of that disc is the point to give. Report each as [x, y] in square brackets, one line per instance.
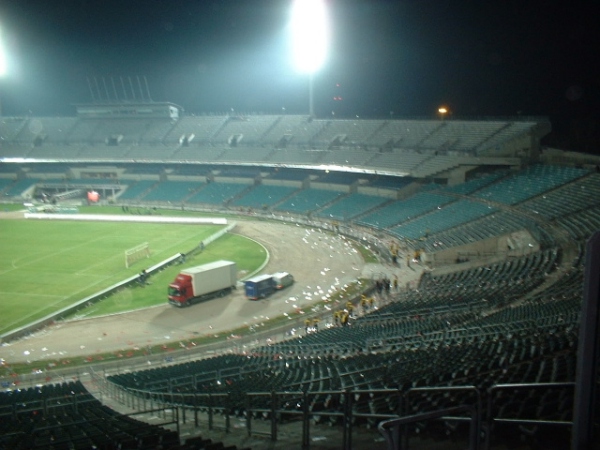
[400, 58]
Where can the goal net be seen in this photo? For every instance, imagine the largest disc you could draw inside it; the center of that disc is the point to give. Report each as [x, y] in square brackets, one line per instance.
[136, 253]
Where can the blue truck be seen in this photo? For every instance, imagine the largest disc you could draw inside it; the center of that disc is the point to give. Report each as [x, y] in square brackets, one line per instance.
[260, 286]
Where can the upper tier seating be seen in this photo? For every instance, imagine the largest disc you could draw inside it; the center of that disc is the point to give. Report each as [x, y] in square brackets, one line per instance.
[350, 206]
[136, 189]
[582, 194]
[218, 193]
[307, 200]
[263, 196]
[402, 210]
[444, 218]
[172, 191]
[528, 183]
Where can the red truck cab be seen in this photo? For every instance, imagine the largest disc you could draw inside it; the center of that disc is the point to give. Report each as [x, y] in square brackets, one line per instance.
[181, 290]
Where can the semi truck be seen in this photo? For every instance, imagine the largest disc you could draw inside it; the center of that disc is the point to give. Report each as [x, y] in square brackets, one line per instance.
[260, 286]
[199, 283]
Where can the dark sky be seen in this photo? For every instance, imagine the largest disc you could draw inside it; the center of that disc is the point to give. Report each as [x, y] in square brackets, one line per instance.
[479, 57]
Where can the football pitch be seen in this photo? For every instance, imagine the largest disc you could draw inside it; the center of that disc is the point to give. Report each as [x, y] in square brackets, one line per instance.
[48, 265]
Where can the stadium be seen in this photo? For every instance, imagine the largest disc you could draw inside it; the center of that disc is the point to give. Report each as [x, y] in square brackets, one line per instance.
[441, 271]
[493, 227]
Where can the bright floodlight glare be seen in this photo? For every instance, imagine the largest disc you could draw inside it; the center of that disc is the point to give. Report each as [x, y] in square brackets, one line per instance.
[310, 34]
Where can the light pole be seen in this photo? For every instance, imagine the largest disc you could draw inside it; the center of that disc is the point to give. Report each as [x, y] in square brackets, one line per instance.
[310, 41]
[311, 94]
[3, 65]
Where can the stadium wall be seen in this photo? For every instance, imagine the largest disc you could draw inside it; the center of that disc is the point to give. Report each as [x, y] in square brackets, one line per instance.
[378, 192]
[557, 156]
[518, 146]
[287, 183]
[331, 187]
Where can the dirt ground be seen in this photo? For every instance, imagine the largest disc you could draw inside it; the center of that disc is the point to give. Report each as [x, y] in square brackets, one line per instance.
[320, 262]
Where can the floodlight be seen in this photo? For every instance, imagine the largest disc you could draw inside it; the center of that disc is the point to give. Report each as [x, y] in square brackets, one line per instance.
[310, 40]
[310, 35]
[443, 111]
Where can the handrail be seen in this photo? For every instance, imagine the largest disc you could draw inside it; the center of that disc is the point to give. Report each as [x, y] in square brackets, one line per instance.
[390, 429]
[490, 420]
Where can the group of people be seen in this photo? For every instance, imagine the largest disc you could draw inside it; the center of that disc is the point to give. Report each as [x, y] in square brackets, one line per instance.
[311, 325]
[384, 285]
[341, 317]
[367, 303]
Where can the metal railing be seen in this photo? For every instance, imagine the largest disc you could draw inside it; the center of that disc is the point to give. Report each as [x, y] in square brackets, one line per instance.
[392, 429]
[343, 407]
[491, 420]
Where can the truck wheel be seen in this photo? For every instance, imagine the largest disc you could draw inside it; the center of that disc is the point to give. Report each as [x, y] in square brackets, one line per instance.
[188, 303]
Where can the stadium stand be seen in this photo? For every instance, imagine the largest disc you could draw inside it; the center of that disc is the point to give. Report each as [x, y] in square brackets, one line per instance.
[264, 196]
[295, 156]
[140, 168]
[444, 218]
[18, 188]
[245, 154]
[202, 127]
[569, 198]
[307, 200]
[511, 130]
[4, 183]
[136, 189]
[10, 127]
[473, 185]
[172, 191]
[497, 320]
[283, 129]
[461, 135]
[347, 157]
[347, 132]
[329, 177]
[397, 160]
[218, 193]
[402, 210]
[528, 183]
[46, 129]
[246, 129]
[461, 329]
[68, 416]
[350, 206]
[204, 154]
[406, 134]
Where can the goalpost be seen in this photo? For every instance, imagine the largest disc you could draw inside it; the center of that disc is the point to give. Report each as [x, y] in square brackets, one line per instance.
[136, 253]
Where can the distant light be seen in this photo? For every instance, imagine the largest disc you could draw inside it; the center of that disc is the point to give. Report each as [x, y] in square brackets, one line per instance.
[310, 35]
[443, 110]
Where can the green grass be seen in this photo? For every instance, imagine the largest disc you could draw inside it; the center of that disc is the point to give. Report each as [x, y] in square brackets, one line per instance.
[247, 254]
[48, 265]
[65, 253]
[7, 207]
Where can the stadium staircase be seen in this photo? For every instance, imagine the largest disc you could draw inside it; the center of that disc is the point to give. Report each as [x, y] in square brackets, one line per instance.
[491, 136]
[228, 202]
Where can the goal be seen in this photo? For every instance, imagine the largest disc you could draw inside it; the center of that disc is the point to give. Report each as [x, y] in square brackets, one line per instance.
[136, 253]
